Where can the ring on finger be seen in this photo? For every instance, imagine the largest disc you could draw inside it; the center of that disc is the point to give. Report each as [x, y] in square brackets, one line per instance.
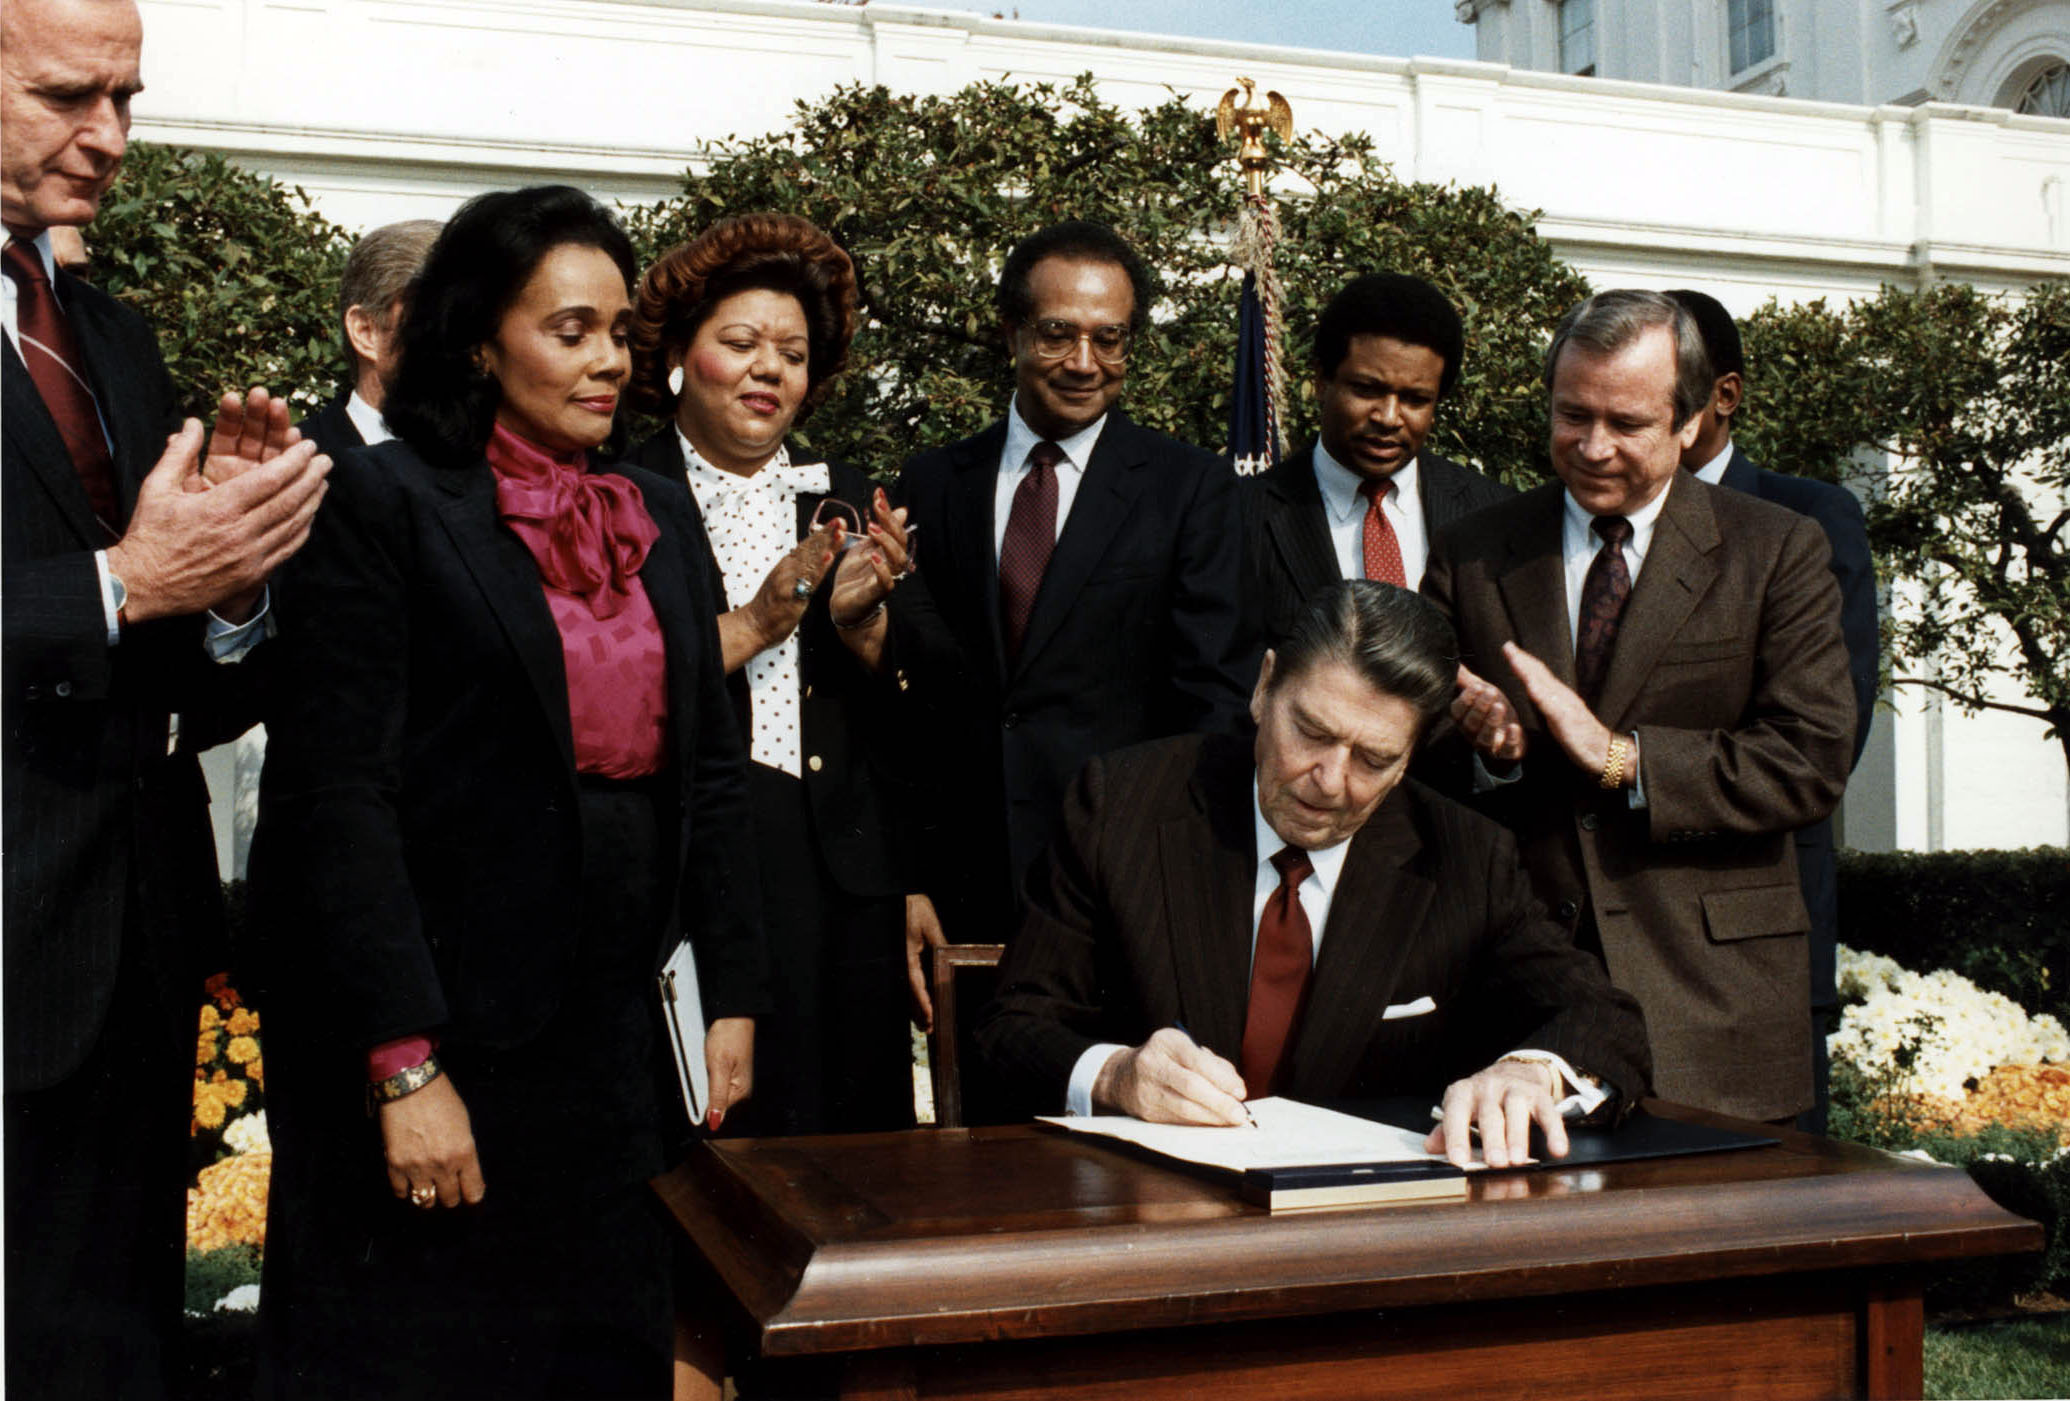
[423, 1196]
[802, 589]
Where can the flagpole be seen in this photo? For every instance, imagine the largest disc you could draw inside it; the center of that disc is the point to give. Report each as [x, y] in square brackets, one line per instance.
[1259, 411]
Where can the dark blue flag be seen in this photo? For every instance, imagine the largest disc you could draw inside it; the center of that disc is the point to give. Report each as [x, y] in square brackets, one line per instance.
[1253, 434]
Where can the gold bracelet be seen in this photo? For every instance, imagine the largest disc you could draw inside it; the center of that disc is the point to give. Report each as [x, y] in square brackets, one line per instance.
[1558, 1082]
[407, 1081]
[1613, 763]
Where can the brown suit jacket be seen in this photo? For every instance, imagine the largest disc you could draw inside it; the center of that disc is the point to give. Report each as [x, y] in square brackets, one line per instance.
[1140, 918]
[1730, 668]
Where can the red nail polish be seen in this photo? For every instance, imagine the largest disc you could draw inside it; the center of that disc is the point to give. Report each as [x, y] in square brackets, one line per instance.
[714, 1119]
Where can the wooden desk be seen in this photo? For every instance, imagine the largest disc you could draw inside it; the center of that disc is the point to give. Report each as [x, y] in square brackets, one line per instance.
[1014, 1262]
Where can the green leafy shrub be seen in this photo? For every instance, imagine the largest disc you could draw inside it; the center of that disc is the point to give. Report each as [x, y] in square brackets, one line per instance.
[236, 273]
[1999, 918]
[929, 193]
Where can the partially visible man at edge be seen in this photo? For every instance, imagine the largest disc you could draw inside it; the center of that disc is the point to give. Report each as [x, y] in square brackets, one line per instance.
[126, 584]
[1715, 458]
[371, 295]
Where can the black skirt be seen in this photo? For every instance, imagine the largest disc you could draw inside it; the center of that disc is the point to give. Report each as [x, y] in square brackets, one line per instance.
[558, 1283]
[836, 1054]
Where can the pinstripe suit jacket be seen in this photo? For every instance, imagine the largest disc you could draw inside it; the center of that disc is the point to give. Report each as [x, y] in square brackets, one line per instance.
[1140, 918]
[97, 815]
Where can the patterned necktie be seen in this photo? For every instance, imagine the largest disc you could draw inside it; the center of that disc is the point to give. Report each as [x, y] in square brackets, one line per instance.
[1031, 536]
[1280, 966]
[1603, 594]
[51, 353]
[1383, 550]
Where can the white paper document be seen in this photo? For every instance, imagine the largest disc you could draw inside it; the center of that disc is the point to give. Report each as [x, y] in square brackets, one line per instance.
[1289, 1134]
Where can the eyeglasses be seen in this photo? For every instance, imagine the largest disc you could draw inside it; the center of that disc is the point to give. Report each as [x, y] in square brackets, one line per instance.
[832, 510]
[1055, 339]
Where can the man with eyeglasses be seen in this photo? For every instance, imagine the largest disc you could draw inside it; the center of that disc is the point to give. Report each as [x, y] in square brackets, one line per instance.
[1079, 586]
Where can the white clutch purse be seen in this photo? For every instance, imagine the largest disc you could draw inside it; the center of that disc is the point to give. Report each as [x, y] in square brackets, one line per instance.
[682, 1008]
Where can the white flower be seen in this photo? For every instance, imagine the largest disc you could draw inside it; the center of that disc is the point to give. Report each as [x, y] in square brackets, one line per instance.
[243, 1299]
[247, 1134]
[1923, 1156]
[1958, 1032]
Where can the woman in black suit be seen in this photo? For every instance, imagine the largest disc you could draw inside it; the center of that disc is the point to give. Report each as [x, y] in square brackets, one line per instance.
[503, 782]
[735, 335]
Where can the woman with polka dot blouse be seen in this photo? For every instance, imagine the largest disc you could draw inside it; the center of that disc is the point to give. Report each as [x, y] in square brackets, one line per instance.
[735, 335]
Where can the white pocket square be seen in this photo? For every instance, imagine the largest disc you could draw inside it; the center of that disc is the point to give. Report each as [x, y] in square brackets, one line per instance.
[1408, 1009]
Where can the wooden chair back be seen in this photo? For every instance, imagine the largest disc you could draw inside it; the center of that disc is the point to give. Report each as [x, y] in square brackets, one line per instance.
[968, 968]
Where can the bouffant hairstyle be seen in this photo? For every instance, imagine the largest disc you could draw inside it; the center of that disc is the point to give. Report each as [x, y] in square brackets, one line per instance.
[770, 252]
[442, 402]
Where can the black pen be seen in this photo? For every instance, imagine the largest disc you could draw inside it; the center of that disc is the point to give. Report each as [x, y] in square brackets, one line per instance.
[1180, 1027]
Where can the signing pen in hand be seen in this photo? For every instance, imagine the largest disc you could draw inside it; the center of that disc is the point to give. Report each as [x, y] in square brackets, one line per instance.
[1180, 1027]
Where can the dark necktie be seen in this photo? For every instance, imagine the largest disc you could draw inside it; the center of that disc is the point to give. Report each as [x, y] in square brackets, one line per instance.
[1280, 966]
[1031, 535]
[1383, 550]
[51, 353]
[1603, 594]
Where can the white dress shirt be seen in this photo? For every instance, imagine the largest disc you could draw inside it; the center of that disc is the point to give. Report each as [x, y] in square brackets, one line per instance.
[1345, 511]
[1014, 465]
[226, 642]
[367, 419]
[752, 522]
[1714, 470]
[1315, 892]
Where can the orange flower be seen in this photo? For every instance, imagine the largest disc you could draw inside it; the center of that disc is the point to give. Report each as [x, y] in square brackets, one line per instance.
[210, 1017]
[243, 1022]
[233, 1093]
[218, 987]
[242, 1050]
[208, 1108]
[205, 1048]
[256, 1071]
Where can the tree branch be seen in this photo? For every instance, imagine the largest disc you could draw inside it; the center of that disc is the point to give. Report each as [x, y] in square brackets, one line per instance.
[1975, 701]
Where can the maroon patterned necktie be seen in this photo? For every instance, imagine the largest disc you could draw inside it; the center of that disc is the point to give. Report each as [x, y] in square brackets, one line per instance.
[1280, 965]
[44, 336]
[1603, 594]
[1383, 550]
[1031, 536]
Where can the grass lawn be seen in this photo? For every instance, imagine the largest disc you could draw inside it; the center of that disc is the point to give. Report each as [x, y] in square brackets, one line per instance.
[2018, 1357]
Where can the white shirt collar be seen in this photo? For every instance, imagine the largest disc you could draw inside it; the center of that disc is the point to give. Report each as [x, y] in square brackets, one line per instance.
[1714, 470]
[1340, 485]
[1020, 439]
[779, 474]
[373, 428]
[1328, 861]
[1578, 537]
[44, 253]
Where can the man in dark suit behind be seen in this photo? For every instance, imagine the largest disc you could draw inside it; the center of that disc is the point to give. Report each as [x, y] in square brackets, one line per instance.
[1716, 459]
[121, 579]
[371, 295]
[1364, 500]
[1080, 581]
[1666, 702]
[1224, 919]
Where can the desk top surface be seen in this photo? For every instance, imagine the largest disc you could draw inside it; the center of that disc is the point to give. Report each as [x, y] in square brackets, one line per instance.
[957, 1235]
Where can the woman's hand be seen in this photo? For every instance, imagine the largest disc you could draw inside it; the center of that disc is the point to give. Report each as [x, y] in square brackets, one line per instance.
[923, 932]
[729, 1061]
[775, 610]
[869, 572]
[429, 1142]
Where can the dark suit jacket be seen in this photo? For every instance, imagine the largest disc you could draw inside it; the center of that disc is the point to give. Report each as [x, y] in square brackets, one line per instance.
[1289, 547]
[1730, 667]
[846, 715]
[1138, 630]
[1854, 569]
[331, 428]
[1140, 918]
[416, 859]
[101, 825]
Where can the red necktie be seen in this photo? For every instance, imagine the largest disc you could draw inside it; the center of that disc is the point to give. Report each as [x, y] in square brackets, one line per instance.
[1031, 535]
[1383, 551]
[1603, 593]
[1280, 966]
[51, 353]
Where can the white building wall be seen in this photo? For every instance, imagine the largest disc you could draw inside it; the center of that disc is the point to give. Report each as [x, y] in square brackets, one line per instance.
[387, 109]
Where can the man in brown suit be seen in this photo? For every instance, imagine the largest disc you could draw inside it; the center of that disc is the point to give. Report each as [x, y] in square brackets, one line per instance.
[1224, 918]
[1667, 700]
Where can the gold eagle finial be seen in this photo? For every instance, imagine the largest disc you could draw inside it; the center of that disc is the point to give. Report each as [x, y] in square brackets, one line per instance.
[1242, 115]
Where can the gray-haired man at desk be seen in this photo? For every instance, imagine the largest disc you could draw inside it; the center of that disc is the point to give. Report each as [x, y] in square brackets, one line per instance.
[1222, 920]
